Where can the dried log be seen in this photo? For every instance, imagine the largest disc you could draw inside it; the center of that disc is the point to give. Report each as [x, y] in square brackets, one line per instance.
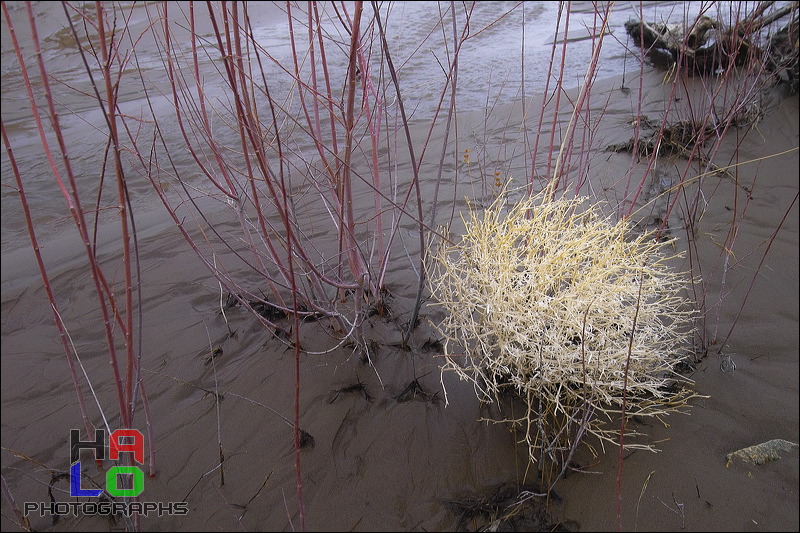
[708, 46]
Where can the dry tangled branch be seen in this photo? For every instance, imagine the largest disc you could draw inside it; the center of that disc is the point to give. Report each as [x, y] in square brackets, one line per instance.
[569, 311]
[708, 45]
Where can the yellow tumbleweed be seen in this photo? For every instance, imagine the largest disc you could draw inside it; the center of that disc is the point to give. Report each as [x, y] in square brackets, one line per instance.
[570, 311]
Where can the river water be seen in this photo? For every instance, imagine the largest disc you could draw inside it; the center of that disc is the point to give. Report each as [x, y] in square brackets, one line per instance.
[508, 56]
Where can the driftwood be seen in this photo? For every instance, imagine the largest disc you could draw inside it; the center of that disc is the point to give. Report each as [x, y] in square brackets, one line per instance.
[761, 453]
[675, 139]
[708, 46]
[784, 53]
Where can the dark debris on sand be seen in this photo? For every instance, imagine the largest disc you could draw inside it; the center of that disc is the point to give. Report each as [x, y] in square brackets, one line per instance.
[505, 508]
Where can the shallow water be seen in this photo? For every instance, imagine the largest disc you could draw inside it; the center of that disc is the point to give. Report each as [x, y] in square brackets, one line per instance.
[381, 462]
[506, 58]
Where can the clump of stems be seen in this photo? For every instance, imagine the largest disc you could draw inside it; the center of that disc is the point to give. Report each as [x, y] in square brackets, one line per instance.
[570, 312]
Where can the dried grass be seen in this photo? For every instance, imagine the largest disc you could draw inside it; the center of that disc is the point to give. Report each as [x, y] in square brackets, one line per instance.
[542, 298]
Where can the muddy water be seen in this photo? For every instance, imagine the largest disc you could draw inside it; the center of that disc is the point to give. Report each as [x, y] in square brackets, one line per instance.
[384, 458]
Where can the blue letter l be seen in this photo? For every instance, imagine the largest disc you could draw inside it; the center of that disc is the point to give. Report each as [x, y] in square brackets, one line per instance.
[75, 483]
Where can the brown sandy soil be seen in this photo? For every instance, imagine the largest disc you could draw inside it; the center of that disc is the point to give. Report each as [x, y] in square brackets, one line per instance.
[387, 455]
[687, 485]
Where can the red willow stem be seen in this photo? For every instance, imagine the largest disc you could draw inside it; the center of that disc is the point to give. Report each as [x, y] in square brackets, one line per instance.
[230, 285]
[251, 128]
[452, 82]
[109, 55]
[545, 100]
[316, 129]
[247, 115]
[340, 179]
[695, 267]
[73, 203]
[328, 98]
[138, 383]
[624, 402]
[204, 122]
[281, 172]
[171, 210]
[589, 132]
[553, 127]
[230, 192]
[121, 207]
[346, 239]
[265, 172]
[356, 261]
[234, 65]
[333, 175]
[313, 274]
[339, 184]
[450, 79]
[584, 100]
[226, 281]
[638, 125]
[296, 332]
[374, 115]
[328, 95]
[206, 135]
[303, 88]
[43, 270]
[755, 274]
[243, 112]
[114, 309]
[415, 169]
[740, 98]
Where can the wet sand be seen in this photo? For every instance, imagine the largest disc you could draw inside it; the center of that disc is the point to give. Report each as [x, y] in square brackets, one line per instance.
[389, 456]
[688, 485]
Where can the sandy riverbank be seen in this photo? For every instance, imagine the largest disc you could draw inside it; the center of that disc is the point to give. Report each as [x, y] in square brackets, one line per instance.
[387, 459]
